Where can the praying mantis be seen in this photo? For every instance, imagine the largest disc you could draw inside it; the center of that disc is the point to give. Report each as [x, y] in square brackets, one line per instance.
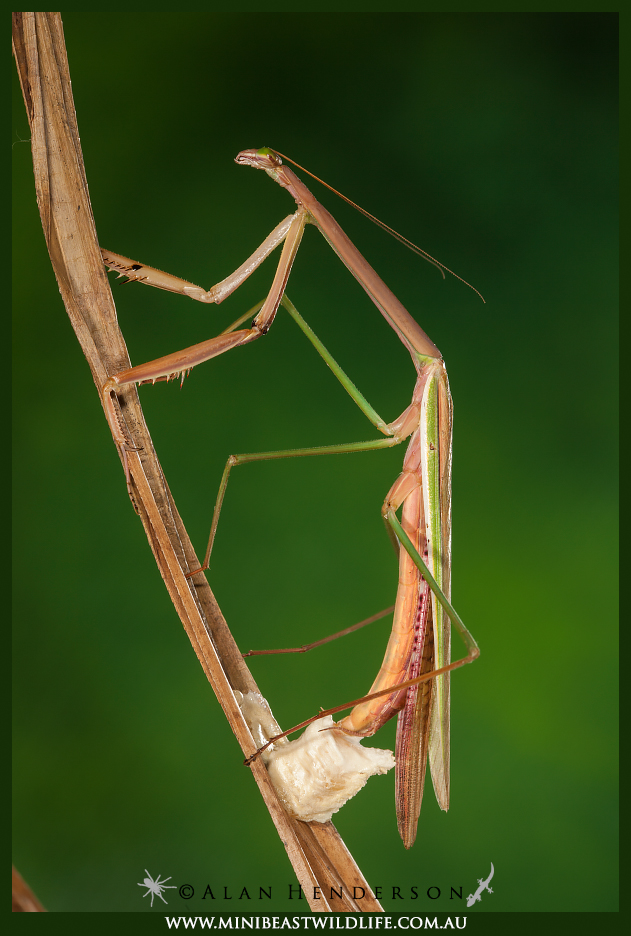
[414, 679]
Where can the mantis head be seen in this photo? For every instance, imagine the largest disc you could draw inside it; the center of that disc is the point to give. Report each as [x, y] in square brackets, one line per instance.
[264, 158]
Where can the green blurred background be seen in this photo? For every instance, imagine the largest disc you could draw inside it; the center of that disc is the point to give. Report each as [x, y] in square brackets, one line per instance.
[490, 140]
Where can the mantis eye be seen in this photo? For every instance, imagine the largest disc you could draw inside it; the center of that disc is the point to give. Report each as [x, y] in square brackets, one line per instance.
[271, 154]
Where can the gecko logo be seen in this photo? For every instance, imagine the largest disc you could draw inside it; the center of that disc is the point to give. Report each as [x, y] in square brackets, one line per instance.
[482, 886]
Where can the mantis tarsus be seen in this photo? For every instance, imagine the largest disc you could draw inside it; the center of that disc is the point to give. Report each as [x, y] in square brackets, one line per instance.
[414, 678]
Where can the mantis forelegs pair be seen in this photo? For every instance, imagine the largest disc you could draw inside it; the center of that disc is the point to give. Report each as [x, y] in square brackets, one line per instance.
[414, 677]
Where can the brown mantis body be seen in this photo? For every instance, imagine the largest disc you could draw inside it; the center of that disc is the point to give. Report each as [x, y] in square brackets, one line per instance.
[414, 677]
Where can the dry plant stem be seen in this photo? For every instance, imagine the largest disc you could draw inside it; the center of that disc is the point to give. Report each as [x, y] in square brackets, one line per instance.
[316, 851]
[23, 900]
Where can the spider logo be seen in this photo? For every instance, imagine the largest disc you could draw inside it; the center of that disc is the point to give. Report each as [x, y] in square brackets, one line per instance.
[155, 887]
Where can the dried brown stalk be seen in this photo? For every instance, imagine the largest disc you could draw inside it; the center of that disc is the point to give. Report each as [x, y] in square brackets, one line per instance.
[23, 900]
[316, 851]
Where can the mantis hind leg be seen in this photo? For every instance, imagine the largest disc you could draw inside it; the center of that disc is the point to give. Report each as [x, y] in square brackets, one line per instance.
[473, 650]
